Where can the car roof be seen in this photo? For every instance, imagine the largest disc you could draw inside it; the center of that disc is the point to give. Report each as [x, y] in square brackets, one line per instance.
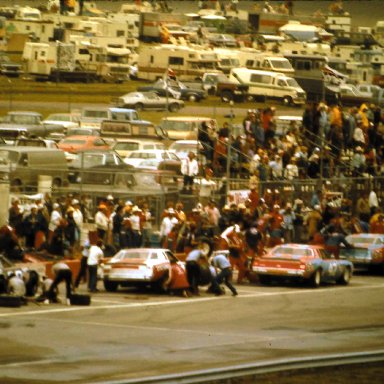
[188, 118]
[84, 137]
[300, 246]
[28, 149]
[149, 150]
[31, 113]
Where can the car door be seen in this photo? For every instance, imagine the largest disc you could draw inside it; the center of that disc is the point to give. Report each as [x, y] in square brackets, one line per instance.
[329, 265]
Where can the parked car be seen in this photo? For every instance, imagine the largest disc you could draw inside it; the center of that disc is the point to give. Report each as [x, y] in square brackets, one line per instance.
[84, 166]
[8, 67]
[42, 143]
[368, 251]
[78, 143]
[137, 267]
[149, 100]
[222, 40]
[182, 147]
[308, 263]
[351, 96]
[125, 147]
[67, 120]
[166, 160]
[175, 89]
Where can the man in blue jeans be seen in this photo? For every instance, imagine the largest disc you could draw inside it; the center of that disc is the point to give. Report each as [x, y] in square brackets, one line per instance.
[94, 258]
[223, 266]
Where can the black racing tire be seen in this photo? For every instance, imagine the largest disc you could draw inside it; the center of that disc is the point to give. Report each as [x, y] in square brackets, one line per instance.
[139, 107]
[111, 286]
[345, 278]
[264, 279]
[32, 285]
[315, 279]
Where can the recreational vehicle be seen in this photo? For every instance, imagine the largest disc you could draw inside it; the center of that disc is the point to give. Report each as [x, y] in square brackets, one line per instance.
[186, 62]
[270, 85]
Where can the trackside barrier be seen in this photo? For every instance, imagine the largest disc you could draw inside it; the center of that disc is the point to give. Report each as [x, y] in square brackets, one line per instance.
[252, 370]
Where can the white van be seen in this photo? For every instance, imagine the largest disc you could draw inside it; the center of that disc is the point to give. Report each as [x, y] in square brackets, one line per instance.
[270, 85]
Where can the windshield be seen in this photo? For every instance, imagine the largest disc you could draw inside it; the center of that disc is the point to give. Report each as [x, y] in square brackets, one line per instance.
[21, 119]
[73, 142]
[284, 251]
[184, 147]
[281, 64]
[96, 114]
[292, 83]
[180, 126]
[126, 146]
[56, 117]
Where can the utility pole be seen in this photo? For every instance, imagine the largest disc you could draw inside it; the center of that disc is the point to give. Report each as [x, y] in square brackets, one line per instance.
[229, 151]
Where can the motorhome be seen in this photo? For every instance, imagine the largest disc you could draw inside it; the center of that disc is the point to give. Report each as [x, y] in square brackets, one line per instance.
[77, 62]
[187, 63]
[228, 58]
[312, 74]
[255, 59]
[270, 85]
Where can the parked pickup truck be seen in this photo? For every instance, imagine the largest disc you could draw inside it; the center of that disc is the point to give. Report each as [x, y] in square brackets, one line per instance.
[25, 124]
[9, 68]
[220, 85]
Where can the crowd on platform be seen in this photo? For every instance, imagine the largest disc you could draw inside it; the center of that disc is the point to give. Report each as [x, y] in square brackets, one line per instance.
[331, 141]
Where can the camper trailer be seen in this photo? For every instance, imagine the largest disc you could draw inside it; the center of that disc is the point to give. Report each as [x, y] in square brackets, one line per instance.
[186, 62]
[270, 85]
[76, 62]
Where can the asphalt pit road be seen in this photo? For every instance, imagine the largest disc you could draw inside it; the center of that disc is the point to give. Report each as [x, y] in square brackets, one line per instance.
[19, 353]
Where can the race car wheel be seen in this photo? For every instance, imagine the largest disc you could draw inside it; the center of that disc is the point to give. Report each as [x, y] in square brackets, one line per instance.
[264, 280]
[315, 279]
[32, 284]
[345, 277]
[192, 97]
[110, 286]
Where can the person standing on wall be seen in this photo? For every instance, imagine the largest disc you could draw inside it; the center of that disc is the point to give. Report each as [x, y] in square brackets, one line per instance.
[189, 169]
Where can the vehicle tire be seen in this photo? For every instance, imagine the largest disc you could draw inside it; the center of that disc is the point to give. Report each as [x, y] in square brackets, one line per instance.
[174, 107]
[111, 286]
[264, 279]
[139, 107]
[315, 279]
[206, 246]
[56, 183]
[226, 96]
[32, 285]
[345, 278]
[192, 97]
[287, 100]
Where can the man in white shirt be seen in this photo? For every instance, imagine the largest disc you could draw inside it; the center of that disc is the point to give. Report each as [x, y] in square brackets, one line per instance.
[167, 224]
[373, 201]
[189, 169]
[54, 221]
[102, 222]
[95, 256]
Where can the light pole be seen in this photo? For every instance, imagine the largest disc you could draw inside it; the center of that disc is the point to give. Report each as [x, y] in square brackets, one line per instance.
[229, 151]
